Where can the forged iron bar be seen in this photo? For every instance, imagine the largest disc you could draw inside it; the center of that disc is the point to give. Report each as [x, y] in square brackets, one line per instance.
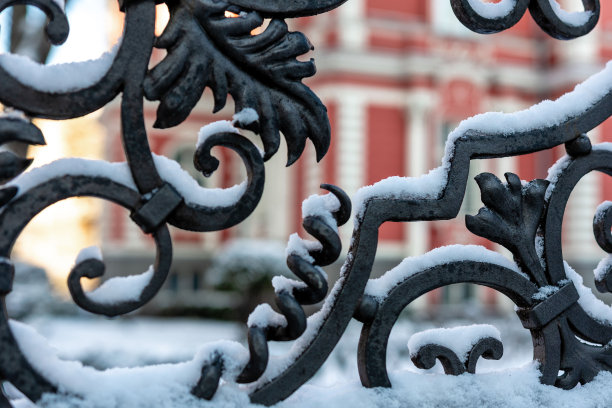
[207, 50]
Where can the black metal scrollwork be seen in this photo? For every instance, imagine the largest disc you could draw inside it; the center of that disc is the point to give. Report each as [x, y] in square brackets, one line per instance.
[492, 18]
[57, 28]
[289, 297]
[261, 72]
[425, 356]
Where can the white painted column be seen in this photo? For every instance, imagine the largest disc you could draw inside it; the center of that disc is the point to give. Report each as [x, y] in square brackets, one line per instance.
[579, 243]
[416, 165]
[582, 50]
[352, 31]
[416, 155]
[352, 123]
[312, 171]
[416, 135]
[273, 212]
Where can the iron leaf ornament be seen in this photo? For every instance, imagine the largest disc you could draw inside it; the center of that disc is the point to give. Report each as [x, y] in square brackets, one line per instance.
[211, 44]
[556, 315]
[511, 217]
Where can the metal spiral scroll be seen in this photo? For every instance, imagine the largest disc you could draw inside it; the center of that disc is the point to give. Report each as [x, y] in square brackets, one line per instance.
[565, 336]
[289, 302]
[378, 323]
[15, 216]
[487, 347]
[155, 203]
[195, 217]
[542, 11]
[262, 72]
[57, 27]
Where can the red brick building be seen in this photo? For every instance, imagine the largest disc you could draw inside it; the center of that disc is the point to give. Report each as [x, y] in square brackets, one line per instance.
[397, 77]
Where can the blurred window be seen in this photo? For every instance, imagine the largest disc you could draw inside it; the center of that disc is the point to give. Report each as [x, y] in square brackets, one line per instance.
[195, 281]
[173, 282]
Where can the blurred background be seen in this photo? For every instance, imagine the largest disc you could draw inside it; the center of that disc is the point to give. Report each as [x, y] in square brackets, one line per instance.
[396, 76]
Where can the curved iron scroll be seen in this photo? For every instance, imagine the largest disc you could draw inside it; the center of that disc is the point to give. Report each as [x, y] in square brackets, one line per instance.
[491, 18]
[261, 73]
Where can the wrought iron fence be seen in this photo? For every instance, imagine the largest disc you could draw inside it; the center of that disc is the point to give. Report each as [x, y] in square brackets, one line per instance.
[261, 73]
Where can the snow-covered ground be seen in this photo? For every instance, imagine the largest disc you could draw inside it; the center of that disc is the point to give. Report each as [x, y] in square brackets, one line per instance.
[106, 343]
[134, 342]
[137, 341]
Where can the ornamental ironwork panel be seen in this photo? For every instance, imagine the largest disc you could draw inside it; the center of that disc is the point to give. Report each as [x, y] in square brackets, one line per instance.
[206, 49]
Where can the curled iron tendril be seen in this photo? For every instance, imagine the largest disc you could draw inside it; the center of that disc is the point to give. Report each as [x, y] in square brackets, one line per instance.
[289, 300]
[166, 205]
[57, 28]
[77, 100]
[16, 214]
[487, 347]
[543, 12]
[382, 314]
[94, 268]
[196, 217]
